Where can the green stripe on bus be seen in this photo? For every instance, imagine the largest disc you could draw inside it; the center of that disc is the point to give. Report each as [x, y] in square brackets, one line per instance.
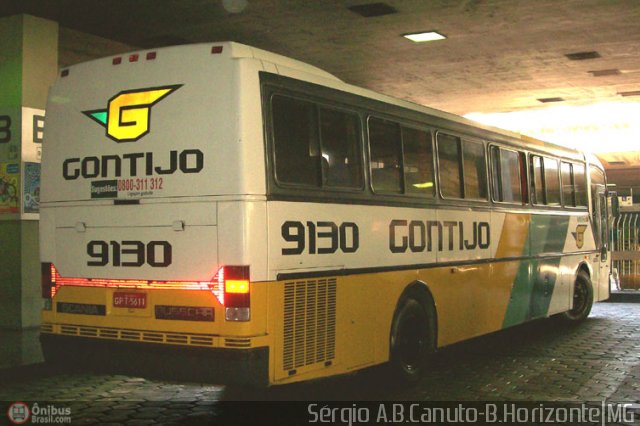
[536, 279]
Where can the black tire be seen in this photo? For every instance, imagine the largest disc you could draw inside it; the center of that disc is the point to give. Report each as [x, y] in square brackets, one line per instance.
[582, 299]
[412, 341]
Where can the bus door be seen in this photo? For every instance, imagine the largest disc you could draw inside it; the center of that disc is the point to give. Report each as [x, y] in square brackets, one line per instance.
[600, 221]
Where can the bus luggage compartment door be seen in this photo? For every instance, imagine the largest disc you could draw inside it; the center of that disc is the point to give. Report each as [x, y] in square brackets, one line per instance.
[149, 241]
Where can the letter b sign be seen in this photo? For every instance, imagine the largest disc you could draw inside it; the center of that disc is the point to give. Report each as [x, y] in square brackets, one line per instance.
[5, 129]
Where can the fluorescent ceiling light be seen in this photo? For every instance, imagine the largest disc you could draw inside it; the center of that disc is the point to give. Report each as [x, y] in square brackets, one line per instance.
[425, 36]
[599, 128]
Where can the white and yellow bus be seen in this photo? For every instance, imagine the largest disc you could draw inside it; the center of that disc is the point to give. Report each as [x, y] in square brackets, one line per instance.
[256, 218]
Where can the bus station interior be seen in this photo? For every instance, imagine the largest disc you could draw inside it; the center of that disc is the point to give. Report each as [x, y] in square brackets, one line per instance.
[567, 71]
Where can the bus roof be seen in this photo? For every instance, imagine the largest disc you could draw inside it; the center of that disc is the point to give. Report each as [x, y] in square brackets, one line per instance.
[241, 50]
[297, 69]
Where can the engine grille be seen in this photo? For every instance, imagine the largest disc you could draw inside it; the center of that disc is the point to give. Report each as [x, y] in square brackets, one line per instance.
[309, 322]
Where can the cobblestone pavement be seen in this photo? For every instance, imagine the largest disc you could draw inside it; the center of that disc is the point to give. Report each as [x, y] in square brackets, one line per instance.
[541, 361]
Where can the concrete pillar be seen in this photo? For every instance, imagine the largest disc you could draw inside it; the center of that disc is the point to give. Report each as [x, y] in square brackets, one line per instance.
[28, 66]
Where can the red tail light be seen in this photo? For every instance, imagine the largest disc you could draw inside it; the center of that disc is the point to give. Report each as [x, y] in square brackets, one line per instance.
[234, 292]
[48, 280]
[231, 286]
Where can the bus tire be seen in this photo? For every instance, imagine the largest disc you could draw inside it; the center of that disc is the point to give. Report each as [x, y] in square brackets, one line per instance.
[412, 341]
[582, 299]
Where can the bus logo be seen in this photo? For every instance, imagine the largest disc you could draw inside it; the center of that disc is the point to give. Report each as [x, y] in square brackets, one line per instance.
[579, 235]
[128, 114]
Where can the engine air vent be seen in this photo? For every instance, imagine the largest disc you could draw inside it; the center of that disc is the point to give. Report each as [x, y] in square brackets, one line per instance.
[309, 322]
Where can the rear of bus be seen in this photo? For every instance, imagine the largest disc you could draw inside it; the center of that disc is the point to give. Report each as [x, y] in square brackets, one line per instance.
[153, 213]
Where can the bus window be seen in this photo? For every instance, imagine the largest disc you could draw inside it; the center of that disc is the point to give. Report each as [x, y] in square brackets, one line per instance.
[551, 181]
[507, 180]
[475, 170]
[568, 195]
[385, 159]
[295, 134]
[418, 161]
[580, 185]
[339, 136]
[537, 180]
[449, 167]
[315, 146]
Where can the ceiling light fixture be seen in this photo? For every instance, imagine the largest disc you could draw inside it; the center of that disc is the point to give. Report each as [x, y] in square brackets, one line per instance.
[605, 73]
[372, 10]
[630, 93]
[424, 36]
[547, 100]
[581, 56]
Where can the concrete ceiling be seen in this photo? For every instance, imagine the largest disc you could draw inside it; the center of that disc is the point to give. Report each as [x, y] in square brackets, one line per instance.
[499, 55]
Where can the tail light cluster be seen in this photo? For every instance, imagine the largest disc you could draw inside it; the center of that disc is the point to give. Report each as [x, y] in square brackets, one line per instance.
[231, 286]
[233, 292]
[48, 280]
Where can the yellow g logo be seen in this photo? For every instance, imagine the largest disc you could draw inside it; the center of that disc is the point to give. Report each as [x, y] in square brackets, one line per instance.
[579, 235]
[128, 114]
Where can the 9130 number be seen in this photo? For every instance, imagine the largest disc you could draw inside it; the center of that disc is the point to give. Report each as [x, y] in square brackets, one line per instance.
[129, 253]
[320, 237]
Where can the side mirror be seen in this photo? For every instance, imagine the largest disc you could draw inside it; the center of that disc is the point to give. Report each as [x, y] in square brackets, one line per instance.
[615, 205]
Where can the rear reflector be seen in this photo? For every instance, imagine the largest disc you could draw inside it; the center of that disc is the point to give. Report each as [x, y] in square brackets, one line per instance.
[117, 60]
[138, 284]
[151, 56]
[231, 286]
[133, 58]
[64, 73]
[216, 49]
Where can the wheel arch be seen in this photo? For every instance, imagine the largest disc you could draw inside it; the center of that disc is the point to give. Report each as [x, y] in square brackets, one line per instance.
[420, 291]
[584, 267]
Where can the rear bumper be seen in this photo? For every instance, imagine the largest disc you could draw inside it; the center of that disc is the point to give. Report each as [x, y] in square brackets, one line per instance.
[214, 365]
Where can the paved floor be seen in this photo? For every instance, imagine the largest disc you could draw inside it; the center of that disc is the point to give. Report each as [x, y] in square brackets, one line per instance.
[541, 361]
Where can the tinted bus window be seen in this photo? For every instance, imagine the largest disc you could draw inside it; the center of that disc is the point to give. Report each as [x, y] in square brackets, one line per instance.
[297, 147]
[568, 196]
[580, 184]
[475, 170]
[385, 155]
[418, 162]
[315, 146]
[551, 182]
[507, 181]
[449, 167]
[537, 180]
[339, 141]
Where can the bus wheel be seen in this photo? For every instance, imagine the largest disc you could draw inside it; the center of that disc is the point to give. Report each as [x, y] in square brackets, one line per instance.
[412, 341]
[582, 299]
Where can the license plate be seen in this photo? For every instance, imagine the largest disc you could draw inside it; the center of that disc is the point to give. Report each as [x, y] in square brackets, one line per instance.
[129, 300]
